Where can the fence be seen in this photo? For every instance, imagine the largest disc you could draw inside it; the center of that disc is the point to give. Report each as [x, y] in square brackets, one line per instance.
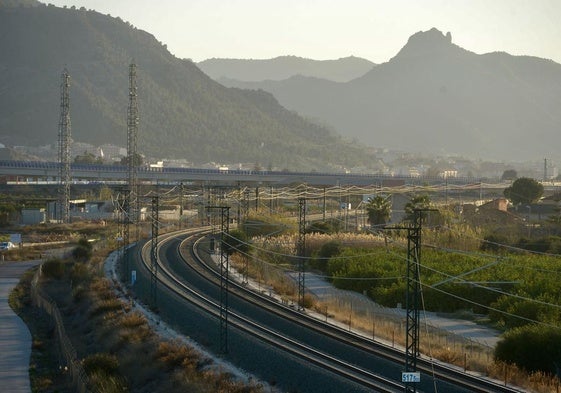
[67, 353]
[393, 320]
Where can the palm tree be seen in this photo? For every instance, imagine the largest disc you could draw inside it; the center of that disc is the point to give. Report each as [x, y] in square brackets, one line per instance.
[417, 202]
[379, 210]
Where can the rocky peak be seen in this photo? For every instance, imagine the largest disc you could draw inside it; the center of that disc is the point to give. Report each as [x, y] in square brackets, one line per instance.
[427, 43]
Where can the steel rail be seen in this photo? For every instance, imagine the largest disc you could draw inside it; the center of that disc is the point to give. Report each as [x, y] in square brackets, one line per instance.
[323, 360]
[441, 371]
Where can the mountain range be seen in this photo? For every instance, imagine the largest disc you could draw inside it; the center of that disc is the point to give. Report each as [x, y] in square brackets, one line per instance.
[432, 97]
[283, 67]
[183, 113]
[436, 97]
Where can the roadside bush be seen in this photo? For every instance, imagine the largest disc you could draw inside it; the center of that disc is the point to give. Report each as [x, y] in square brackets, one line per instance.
[494, 242]
[236, 241]
[327, 227]
[53, 268]
[550, 244]
[101, 362]
[532, 348]
[103, 371]
[327, 250]
[79, 273]
[83, 250]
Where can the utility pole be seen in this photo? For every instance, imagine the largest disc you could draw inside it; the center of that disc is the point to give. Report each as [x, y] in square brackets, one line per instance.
[64, 141]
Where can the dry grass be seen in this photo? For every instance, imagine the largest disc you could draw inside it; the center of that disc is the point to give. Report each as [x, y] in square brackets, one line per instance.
[120, 350]
[438, 345]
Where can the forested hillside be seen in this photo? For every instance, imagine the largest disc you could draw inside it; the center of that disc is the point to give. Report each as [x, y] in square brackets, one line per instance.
[183, 113]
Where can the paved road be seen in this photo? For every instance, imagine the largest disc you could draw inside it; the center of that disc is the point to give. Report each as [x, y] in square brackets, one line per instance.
[15, 339]
[467, 329]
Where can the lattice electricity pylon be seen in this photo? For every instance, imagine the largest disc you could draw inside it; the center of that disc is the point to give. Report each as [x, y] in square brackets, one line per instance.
[256, 199]
[181, 192]
[64, 140]
[301, 251]
[120, 225]
[413, 295]
[245, 204]
[412, 299]
[155, 218]
[224, 273]
[132, 155]
[126, 232]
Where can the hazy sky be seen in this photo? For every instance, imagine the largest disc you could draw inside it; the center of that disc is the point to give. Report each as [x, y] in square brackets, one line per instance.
[330, 29]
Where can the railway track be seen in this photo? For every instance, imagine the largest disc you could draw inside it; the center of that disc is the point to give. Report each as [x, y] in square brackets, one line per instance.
[345, 354]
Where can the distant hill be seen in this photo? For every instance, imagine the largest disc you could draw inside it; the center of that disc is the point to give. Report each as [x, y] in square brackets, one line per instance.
[283, 67]
[436, 97]
[19, 3]
[183, 113]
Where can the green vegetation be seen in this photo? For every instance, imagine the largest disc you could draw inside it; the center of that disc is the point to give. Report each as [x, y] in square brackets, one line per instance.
[524, 191]
[379, 210]
[83, 250]
[490, 271]
[532, 347]
[416, 204]
[87, 158]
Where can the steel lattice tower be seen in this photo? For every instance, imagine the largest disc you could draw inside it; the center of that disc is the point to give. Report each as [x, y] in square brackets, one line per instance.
[132, 134]
[224, 273]
[125, 228]
[413, 298]
[413, 294]
[154, 250]
[301, 251]
[64, 140]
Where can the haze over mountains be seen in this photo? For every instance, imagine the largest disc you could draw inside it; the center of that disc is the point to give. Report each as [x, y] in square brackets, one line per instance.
[183, 113]
[283, 67]
[432, 97]
[436, 97]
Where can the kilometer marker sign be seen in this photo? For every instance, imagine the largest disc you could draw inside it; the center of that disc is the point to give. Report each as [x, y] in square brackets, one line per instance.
[410, 377]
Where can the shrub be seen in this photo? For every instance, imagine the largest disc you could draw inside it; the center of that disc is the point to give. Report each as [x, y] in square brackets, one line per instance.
[79, 273]
[494, 242]
[53, 268]
[101, 362]
[133, 320]
[531, 347]
[327, 250]
[83, 250]
[236, 241]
